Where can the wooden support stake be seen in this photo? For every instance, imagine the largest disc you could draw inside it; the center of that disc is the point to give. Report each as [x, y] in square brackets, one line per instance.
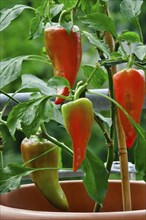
[125, 184]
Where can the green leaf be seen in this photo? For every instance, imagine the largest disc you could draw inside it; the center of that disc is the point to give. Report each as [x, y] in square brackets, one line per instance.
[67, 3]
[115, 55]
[140, 51]
[97, 7]
[99, 78]
[29, 116]
[140, 153]
[58, 82]
[98, 43]
[131, 9]
[33, 83]
[90, 6]
[57, 116]
[10, 70]
[7, 15]
[56, 10]
[95, 178]
[7, 140]
[36, 27]
[100, 22]
[11, 175]
[130, 37]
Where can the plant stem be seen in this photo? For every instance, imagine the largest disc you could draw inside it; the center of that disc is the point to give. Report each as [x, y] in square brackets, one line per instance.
[10, 98]
[70, 10]
[110, 41]
[92, 73]
[73, 10]
[130, 62]
[97, 207]
[110, 63]
[47, 11]
[1, 155]
[62, 15]
[139, 29]
[1, 159]
[140, 66]
[40, 155]
[126, 194]
[109, 141]
[55, 141]
[105, 133]
[110, 153]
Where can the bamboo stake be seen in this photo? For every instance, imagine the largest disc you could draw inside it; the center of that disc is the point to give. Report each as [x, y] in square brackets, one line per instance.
[126, 193]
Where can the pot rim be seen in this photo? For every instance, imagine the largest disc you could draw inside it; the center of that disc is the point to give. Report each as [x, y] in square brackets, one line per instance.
[135, 214]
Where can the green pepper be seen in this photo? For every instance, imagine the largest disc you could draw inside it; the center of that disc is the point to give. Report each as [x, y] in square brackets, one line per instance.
[78, 119]
[47, 181]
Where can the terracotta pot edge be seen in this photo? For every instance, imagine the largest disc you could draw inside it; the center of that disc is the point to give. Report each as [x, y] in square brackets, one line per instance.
[70, 213]
[78, 181]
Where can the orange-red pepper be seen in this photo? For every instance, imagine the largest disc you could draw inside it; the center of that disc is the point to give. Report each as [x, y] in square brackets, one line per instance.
[129, 93]
[65, 52]
[78, 119]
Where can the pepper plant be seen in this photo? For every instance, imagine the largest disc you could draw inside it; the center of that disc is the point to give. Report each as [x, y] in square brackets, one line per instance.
[120, 64]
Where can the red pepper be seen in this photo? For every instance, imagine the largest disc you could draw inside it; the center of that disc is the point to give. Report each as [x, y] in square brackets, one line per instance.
[78, 118]
[129, 93]
[64, 51]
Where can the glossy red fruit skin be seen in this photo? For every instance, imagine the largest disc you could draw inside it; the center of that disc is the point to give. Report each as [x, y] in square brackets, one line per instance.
[65, 53]
[78, 119]
[129, 86]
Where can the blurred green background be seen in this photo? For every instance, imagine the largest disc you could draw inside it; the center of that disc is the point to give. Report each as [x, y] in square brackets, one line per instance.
[14, 42]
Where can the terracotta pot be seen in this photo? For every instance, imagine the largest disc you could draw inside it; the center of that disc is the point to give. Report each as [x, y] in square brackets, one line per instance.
[27, 203]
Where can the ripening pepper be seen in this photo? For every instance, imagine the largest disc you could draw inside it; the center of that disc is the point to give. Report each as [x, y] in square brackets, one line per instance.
[65, 52]
[78, 119]
[129, 93]
[46, 181]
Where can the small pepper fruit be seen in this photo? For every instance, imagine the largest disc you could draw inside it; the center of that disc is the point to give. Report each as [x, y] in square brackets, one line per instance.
[65, 52]
[78, 119]
[129, 93]
[47, 181]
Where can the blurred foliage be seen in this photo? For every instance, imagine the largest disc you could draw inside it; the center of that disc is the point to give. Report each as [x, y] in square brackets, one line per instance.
[14, 42]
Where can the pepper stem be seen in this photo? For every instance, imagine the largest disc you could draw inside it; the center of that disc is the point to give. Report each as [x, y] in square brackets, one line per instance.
[80, 90]
[130, 62]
